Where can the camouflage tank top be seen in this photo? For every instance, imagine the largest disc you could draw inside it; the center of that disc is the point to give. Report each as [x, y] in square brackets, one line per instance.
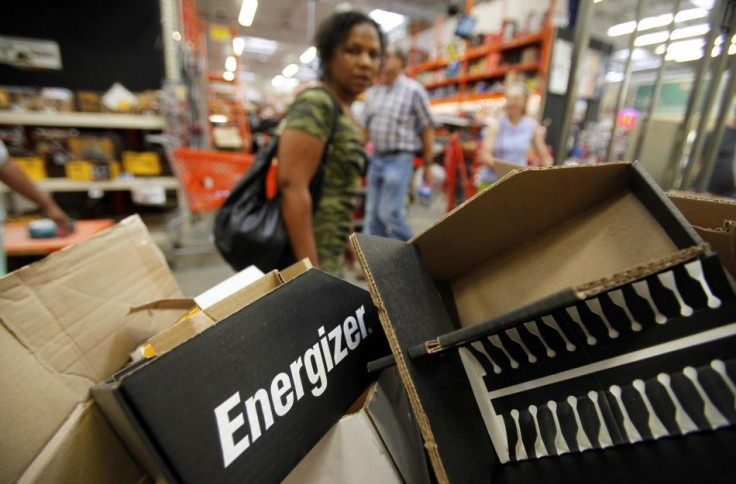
[312, 112]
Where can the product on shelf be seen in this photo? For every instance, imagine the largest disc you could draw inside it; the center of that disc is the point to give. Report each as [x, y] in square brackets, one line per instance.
[56, 100]
[145, 163]
[89, 102]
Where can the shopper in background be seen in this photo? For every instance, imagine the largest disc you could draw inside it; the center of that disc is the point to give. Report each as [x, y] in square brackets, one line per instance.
[16, 179]
[399, 124]
[723, 178]
[350, 46]
[510, 137]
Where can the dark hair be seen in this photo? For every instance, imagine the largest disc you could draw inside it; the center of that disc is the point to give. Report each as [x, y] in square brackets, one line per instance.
[334, 30]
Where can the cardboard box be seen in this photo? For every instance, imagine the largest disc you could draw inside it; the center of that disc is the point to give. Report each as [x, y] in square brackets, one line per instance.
[536, 243]
[66, 325]
[376, 441]
[503, 168]
[246, 398]
[714, 219]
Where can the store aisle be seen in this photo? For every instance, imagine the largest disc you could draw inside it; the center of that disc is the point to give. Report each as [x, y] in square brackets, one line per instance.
[197, 272]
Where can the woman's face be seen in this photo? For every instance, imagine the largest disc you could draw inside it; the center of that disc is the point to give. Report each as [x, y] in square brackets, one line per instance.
[515, 102]
[357, 60]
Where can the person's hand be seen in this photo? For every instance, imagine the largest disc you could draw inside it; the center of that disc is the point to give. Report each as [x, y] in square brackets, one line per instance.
[55, 213]
[428, 175]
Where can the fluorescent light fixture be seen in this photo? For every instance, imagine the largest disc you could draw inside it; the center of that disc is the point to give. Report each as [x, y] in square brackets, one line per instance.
[657, 21]
[685, 56]
[230, 63]
[290, 70]
[690, 14]
[228, 76]
[247, 12]
[218, 118]
[614, 76]
[650, 39]
[387, 20]
[258, 45]
[622, 29]
[681, 45]
[691, 31]
[238, 45]
[278, 81]
[176, 36]
[308, 55]
[703, 3]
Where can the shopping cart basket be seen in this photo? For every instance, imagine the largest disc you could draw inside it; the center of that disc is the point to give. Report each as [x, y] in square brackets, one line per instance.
[206, 178]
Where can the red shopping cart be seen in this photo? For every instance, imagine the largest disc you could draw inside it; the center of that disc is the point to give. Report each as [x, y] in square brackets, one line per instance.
[206, 178]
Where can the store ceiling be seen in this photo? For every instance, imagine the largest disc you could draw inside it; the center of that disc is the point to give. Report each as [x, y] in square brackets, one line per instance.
[287, 22]
[289, 27]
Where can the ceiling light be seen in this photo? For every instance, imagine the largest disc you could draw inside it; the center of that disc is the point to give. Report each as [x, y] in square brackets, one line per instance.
[228, 76]
[308, 55]
[238, 45]
[656, 21]
[685, 56]
[649, 39]
[290, 70]
[218, 118]
[614, 76]
[387, 20]
[703, 3]
[622, 29]
[258, 45]
[690, 14]
[278, 81]
[247, 12]
[691, 31]
[681, 45]
[649, 23]
[230, 63]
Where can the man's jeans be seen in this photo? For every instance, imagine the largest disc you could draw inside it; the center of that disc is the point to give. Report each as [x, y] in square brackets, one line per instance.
[388, 180]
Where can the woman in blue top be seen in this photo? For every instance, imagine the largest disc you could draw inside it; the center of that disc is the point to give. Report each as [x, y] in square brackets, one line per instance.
[510, 137]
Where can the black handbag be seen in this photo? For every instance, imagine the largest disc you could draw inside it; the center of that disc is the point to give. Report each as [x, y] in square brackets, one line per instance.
[249, 229]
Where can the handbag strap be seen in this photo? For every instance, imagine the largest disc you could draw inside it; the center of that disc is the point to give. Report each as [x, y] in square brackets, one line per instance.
[315, 186]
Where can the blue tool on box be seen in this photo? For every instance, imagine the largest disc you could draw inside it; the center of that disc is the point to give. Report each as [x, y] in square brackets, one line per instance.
[46, 228]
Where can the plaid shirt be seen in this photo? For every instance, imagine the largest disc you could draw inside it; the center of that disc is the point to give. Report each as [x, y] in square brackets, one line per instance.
[396, 115]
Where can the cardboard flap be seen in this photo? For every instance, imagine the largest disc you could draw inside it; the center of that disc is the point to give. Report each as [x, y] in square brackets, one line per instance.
[454, 244]
[400, 285]
[184, 304]
[65, 325]
[704, 212]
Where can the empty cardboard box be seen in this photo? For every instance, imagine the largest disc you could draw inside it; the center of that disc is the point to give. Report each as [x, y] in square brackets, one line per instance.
[537, 243]
[65, 325]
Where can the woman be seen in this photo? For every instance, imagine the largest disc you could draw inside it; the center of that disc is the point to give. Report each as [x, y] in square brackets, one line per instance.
[350, 46]
[510, 137]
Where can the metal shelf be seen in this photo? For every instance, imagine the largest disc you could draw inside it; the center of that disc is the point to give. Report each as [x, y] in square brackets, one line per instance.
[83, 120]
[120, 184]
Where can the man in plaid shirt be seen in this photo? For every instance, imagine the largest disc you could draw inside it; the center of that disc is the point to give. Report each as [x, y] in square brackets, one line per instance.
[399, 124]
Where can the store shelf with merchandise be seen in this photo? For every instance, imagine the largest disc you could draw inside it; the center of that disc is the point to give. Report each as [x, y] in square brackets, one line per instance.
[83, 120]
[481, 71]
[130, 129]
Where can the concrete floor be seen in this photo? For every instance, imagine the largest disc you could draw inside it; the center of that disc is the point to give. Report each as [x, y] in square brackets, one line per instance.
[197, 272]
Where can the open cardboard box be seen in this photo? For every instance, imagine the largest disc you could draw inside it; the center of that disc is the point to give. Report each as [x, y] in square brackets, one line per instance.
[244, 389]
[65, 324]
[74, 318]
[714, 219]
[538, 241]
